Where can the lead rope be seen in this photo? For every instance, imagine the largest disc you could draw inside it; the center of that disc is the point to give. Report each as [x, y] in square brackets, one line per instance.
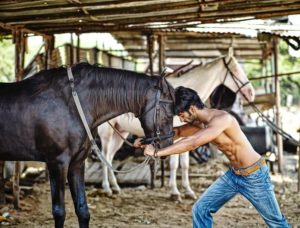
[254, 107]
[269, 122]
[94, 146]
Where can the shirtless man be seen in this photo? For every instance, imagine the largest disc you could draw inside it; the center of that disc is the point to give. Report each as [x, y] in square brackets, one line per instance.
[248, 173]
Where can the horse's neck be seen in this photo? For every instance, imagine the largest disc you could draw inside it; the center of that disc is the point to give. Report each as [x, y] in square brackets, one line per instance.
[123, 98]
[203, 79]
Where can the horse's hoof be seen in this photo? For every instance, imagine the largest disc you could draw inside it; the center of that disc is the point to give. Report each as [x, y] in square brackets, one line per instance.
[116, 191]
[190, 195]
[107, 193]
[176, 198]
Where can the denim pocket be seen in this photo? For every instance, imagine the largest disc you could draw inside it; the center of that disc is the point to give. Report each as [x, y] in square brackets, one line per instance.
[259, 178]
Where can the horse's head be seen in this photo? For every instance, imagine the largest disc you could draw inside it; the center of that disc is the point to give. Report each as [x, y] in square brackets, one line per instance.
[157, 116]
[236, 79]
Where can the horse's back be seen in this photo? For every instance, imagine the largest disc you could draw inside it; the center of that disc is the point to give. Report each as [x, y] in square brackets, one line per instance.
[32, 120]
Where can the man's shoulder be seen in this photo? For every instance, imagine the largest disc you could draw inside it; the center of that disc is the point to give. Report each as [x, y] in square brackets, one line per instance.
[222, 116]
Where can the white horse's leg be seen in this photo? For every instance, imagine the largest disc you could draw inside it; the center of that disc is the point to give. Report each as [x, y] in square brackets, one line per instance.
[115, 145]
[174, 162]
[105, 183]
[185, 164]
[105, 133]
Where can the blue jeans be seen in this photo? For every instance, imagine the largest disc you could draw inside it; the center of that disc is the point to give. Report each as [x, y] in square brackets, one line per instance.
[256, 187]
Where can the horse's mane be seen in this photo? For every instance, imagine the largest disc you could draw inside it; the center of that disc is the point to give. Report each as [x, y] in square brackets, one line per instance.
[34, 84]
[121, 86]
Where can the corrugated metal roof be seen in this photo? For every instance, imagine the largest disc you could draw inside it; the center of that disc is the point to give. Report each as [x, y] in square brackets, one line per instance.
[55, 16]
[183, 23]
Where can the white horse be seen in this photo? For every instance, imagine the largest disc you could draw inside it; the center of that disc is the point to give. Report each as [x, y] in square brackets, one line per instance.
[204, 79]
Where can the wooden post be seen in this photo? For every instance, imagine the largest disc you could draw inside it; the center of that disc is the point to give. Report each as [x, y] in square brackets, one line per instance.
[46, 57]
[68, 48]
[20, 44]
[19, 40]
[161, 65]
[78, 48]
[2, 183]
[16, 185]
[161, 61]
[150, 43]
[95, 55]
[49, 47]
[278, 106]
[72, 51]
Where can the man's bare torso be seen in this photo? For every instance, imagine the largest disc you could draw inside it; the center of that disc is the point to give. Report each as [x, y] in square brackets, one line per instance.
[234, 144]
[232, 141]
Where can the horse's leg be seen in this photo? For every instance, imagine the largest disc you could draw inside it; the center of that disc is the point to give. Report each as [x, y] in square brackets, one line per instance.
[162, 168]
[105, 133]
[58, 173]
[116, 144]
[152, 166]
[185, 164]
[77, 188]
[174, 161]
[105, 182]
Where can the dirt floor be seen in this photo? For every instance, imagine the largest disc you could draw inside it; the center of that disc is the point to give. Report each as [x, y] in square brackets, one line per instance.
[142, 207]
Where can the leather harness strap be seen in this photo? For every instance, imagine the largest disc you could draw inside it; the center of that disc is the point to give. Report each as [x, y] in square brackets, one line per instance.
[94, 146]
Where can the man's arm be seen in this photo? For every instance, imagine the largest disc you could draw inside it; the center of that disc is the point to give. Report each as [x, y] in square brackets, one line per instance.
[185, 130]
[201, 137]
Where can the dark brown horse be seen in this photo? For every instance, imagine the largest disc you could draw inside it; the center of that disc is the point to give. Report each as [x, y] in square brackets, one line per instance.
[39, 121]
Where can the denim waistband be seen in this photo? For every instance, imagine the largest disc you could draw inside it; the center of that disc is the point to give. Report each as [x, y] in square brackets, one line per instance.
[260, 163]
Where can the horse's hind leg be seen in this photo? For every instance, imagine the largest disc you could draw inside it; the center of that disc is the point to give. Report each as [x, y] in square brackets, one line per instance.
[174, 162]
[105, 133]
[77, 188]
[57, 174]
[185, 164]
[115, 145]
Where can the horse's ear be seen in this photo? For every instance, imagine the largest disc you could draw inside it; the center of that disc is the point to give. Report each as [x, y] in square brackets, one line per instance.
[230, 52]
[166, 72]
[165, 86]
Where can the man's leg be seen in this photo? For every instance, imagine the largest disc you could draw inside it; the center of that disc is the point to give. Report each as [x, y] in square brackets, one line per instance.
[258, 189]
[220, 192]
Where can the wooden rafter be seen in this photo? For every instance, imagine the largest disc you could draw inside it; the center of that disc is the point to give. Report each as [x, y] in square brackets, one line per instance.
[54, 16]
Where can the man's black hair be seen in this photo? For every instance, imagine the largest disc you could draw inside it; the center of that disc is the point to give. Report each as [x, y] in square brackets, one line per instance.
[184, 98]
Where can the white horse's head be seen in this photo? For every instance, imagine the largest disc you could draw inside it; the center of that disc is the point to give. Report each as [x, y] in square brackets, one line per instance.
[236, 79]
